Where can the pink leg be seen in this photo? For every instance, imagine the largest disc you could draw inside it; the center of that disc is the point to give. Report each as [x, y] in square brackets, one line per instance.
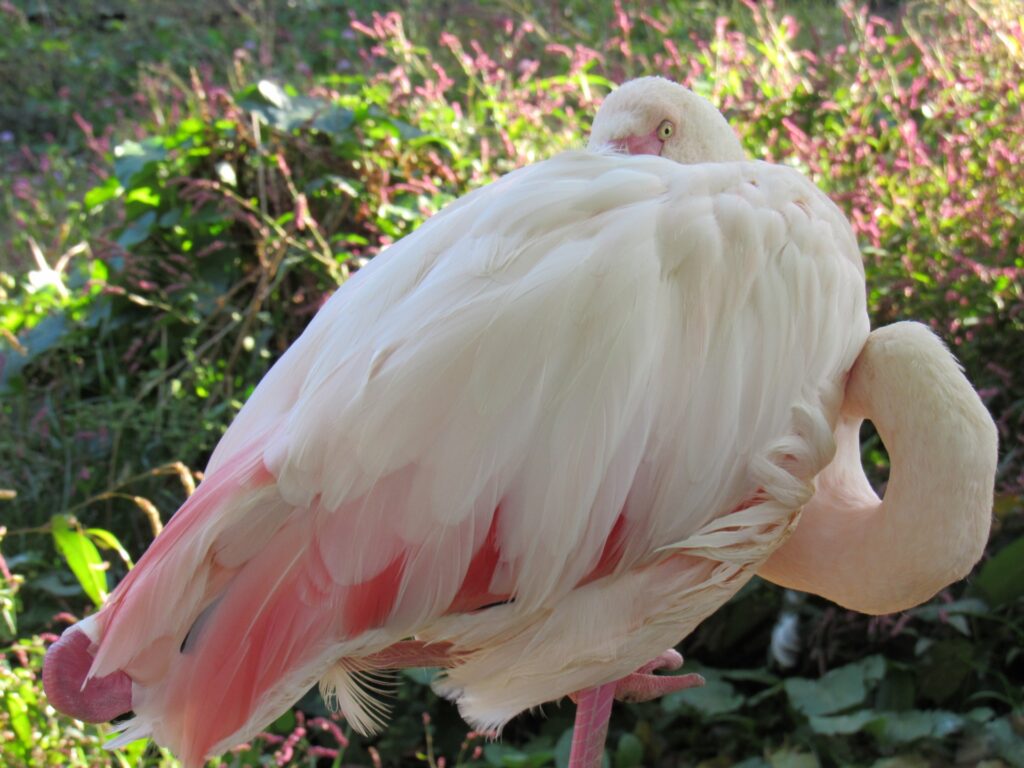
[594, 705]
[593, 708]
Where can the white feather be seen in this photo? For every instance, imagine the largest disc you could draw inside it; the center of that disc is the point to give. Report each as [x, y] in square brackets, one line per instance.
[592, 336]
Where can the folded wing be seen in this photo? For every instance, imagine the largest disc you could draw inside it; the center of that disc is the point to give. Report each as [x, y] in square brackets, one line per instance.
[546, 388]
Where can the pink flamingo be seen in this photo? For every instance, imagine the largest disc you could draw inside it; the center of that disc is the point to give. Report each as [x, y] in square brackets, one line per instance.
[537, 442]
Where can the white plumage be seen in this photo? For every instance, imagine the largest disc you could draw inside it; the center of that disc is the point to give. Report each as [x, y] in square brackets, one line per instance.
[596, 392]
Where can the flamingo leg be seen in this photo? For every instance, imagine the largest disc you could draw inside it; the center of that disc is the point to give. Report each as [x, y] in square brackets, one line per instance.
[593, 708]
[594, 705]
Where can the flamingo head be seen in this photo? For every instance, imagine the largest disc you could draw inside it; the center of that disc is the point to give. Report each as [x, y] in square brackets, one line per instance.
[654, 116]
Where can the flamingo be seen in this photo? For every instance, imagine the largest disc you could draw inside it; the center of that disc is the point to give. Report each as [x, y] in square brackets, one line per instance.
[537, 442]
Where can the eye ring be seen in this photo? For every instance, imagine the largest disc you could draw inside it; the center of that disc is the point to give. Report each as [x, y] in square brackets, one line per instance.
[665, 129]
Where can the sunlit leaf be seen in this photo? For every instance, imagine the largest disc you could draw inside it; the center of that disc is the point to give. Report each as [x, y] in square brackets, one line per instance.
[98, 195]
[19, 722]
[273, 93]
[132, 157]
[143, 195]
[226, 174]
[82, 557]
[109, 540]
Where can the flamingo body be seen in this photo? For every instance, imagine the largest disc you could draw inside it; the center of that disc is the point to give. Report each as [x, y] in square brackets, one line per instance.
[545, 435]
[595, 392]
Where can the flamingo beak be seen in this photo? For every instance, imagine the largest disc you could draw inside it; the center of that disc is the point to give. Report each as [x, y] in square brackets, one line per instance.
[640, 145]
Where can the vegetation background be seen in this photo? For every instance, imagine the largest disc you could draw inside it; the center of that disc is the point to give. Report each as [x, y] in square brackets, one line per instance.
[184, 183]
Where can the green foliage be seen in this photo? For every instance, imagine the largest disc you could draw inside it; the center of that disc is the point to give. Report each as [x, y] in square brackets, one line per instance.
[37, 736]
[1001, 579]
[82, 557]
[32, 732]
[835, 691]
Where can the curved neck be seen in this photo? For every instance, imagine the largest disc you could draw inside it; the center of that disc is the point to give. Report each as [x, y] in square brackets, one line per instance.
[879, 556]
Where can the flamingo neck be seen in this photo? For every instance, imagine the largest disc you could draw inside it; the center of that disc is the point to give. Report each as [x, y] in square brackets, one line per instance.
[879, 556]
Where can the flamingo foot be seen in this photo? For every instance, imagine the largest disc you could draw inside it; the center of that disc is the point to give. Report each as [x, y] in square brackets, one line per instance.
[643, 685]
[594, 705]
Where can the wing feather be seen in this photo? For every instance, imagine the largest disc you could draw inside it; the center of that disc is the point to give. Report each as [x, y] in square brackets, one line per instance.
[556, 381]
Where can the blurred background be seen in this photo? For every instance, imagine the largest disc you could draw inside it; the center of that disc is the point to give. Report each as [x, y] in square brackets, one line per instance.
[184, 183]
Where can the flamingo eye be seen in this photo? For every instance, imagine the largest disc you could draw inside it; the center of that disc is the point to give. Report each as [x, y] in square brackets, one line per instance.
[666, 129]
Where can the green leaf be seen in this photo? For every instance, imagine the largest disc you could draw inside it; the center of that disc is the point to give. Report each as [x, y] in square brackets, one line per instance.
[46, 335]
[563, 749]
[54, 584]
[941, 612]
[272, 104]
[504, 756]
[944, 669]
[1006, 742]
[333, 183]
[786, 758]
[191, 126]
[1001, 579]
[137, 231]
[131, 157]
[109, 541]
[629, 752]
[902, 761]
[131, 752]
[715, 697]
[144, 195]
[82, 557]
[421, 675]
[108, 190]
[440, 141]
[169, 219]
[335, 121]
[98, 271]
[839, 689]
[284, 724]
[273, 93]
[226, 173]
[905, 727]
[841, 725]
[760, 675]
[19, 722]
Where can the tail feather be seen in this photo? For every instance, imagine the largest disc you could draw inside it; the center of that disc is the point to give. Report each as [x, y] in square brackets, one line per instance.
[186, 554]
[360, 694]
[238, 645]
